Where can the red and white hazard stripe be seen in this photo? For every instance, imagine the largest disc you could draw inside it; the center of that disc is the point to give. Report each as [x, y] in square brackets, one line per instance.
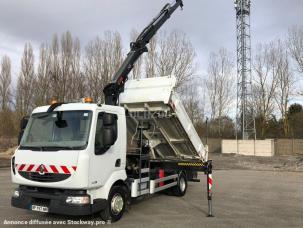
[210, 182]
[60, 169]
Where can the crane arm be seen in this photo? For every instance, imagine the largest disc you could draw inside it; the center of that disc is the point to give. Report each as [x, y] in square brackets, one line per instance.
[137, 48]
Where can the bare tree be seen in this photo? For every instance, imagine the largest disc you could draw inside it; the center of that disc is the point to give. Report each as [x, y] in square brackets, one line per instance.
[66, 62]
[295, 44]
[112, 54]
[5, 82]
[137, 69]
[42, 92]
[55, 69]
[67, 59]
[102, 58]
[212, 84]
[25, 85]
[176, 56]
[194, 105]
[151, 58]
[76, 80]
[65, 68]
[265, 83]
[220, 84]
[285, 83]
[92, 67]
[7, 116]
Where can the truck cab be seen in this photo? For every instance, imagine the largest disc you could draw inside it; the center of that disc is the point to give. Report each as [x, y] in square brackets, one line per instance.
[78, 146]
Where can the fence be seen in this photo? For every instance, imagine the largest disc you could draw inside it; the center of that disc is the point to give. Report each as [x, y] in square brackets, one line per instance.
[281, 146]
[289, 146]
[263, 148]
[214, 145]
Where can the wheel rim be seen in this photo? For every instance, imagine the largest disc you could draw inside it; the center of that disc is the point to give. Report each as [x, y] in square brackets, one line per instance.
[117, 204]
[182, 184]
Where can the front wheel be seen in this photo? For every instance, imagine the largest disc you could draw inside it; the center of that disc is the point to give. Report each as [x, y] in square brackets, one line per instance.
[115, 205]
[181, 187]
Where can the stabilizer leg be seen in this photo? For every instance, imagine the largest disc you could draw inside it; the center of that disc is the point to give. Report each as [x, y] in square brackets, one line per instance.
[209, 188]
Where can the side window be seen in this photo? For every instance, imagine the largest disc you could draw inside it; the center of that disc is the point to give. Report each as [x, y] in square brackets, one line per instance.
[106, 132]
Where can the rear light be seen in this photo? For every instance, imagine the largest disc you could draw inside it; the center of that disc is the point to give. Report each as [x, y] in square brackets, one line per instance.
[13, 165]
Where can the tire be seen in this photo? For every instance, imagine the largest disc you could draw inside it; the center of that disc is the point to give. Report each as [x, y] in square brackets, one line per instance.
[180, 189]
[116, 204]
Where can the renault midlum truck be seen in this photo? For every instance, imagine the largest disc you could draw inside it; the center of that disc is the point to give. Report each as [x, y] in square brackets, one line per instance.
[81, 158]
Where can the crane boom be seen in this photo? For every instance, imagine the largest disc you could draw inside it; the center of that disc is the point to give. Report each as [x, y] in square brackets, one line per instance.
[137, 48]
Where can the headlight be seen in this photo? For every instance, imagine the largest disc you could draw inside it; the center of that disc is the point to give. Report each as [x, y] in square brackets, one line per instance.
[16, 194]
[78, 200]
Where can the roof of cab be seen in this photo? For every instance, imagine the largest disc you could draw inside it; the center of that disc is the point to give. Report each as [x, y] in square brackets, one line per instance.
[81, 106]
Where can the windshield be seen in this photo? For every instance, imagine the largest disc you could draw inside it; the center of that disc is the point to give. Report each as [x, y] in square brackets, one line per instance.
[57, 130]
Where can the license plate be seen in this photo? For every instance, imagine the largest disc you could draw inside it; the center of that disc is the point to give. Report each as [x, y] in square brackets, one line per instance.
[39, 208]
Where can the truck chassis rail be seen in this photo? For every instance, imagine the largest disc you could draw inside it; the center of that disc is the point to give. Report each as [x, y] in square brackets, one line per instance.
[191, 165]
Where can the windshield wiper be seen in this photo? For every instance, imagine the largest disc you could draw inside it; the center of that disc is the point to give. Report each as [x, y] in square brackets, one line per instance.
[56, 148]
[51, 148]
[34, 148]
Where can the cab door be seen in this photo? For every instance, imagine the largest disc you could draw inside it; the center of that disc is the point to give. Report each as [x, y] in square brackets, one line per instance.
[106, 155]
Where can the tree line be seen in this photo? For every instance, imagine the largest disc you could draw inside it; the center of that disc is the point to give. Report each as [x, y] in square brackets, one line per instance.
[66, 71]
[277, 72]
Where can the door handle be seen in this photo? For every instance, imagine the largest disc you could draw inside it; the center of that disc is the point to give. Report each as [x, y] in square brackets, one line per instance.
[118, 163]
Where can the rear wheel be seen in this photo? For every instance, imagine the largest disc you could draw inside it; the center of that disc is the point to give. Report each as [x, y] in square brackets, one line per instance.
[181, 187]
[115, 205]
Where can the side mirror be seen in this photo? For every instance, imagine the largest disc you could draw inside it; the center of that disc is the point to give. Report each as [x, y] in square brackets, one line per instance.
[23, 124]
[61, 123]
[108, 119]
[106, 134]
[109, 137]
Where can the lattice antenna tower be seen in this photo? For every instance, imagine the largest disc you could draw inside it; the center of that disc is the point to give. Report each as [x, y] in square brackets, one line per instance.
[245, 121]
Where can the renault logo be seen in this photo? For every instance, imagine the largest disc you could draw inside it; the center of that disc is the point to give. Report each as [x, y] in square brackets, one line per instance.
[41, 169]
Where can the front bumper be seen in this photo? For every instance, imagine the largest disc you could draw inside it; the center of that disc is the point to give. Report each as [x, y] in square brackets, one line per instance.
[55, 201]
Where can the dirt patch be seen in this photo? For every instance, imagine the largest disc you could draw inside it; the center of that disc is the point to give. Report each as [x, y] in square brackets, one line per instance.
[6, 143]
[8, 153]
[5, 157]
[4, 163]
[276, 163]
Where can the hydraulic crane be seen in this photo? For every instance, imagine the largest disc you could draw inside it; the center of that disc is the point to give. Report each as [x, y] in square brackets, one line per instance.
[137, 48]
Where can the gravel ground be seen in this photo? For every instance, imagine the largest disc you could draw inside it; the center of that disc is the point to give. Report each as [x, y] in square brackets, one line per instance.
[241, 198]
[248, 192]
[276, 163]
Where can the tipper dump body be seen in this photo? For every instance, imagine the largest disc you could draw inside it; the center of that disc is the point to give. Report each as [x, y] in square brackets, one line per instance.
[154, 102]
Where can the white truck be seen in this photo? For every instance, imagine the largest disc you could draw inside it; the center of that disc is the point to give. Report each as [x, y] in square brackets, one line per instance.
[80, 158]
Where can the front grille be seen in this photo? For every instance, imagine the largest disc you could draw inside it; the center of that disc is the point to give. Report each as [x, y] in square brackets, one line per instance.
[46, 177]
[51, 191]
[41, 202]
